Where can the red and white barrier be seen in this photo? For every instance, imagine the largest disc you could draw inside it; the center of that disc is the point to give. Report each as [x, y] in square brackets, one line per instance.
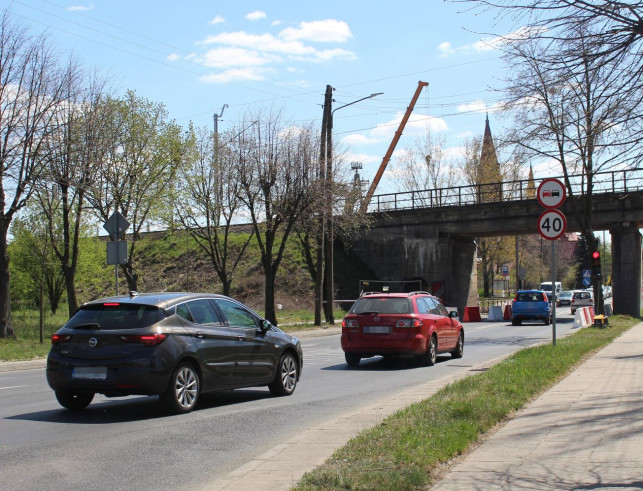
[583, 317]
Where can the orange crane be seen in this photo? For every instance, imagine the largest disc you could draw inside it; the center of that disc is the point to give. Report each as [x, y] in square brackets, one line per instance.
[389, 152]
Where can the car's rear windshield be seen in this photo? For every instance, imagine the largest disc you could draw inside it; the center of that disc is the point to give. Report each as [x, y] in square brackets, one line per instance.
[382, 305]
[530, 297]
[115, 316]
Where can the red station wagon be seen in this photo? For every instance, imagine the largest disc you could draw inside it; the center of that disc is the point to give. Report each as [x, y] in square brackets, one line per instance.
[390, 324]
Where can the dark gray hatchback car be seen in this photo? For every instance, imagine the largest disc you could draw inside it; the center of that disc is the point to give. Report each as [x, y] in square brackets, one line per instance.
[175, 345]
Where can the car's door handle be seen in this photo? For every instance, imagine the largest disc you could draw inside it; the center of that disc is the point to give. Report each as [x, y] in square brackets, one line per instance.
[240, 337]
[199, 334]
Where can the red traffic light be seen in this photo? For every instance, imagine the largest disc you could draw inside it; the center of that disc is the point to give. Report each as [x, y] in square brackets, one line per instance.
[596, 255]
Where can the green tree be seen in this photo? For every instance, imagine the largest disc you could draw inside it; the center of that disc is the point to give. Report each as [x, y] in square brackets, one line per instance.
[34, 263]
[32, 84]
[138, 169]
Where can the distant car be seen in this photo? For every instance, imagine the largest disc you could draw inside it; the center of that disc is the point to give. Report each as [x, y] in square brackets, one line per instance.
[389, 324]
[175, 345]
[564, 298]
[530, 305]
[581, 298]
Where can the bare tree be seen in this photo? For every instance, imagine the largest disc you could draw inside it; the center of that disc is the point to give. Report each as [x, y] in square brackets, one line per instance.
[31, 87]
[424, 165]
[137, 173]
[209, 202]
[277, 164]
[75, 149]
[578, 119]
[618, 25]
[574, 39]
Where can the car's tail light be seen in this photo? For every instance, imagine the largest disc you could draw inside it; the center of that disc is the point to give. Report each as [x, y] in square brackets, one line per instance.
[145, 339]
[408, 323]
[60, 338]
[350, 323]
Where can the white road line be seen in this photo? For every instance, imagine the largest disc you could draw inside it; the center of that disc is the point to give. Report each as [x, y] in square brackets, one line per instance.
[14, 387]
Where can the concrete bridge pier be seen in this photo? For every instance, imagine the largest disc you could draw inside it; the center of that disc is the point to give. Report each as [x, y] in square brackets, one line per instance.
[446, 264]
[626, 269]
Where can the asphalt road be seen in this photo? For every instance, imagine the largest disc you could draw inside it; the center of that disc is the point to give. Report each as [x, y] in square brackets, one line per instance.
[128, 443]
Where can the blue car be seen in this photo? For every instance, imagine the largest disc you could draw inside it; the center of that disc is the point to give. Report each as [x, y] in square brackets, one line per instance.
[530, 305]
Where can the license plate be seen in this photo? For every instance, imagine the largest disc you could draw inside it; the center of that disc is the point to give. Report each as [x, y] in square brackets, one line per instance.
[377, 329]
[89, 373]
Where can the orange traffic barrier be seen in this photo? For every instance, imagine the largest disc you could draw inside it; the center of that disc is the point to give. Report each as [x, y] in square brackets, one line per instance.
[472, 314]
[507, 315]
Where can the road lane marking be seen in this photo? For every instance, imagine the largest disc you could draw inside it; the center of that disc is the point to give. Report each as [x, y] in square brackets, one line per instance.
[14, 387]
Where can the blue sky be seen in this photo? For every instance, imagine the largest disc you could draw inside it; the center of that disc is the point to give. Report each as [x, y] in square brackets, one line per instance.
[195, 56]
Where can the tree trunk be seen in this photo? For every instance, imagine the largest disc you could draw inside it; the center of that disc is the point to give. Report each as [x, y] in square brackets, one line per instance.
[70, 288]
[269, 305]
[6, 330]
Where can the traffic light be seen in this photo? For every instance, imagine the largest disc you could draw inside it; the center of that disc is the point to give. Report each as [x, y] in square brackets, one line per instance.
[596, 264]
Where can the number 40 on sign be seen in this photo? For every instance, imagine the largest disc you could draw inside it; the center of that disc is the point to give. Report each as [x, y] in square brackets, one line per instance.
[552, 224]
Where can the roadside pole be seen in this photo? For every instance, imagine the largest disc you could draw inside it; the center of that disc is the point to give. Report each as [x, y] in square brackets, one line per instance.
[551, 226]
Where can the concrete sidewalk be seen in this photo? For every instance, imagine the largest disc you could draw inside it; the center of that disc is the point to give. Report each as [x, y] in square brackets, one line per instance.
[584, 433]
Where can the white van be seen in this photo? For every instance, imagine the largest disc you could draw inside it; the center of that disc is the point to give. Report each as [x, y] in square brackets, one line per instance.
[546, 287]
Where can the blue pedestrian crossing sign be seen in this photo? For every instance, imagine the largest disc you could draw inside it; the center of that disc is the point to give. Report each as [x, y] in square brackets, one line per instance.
[587, 277]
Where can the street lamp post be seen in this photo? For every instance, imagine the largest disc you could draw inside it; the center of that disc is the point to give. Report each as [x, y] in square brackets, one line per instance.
[328, 228]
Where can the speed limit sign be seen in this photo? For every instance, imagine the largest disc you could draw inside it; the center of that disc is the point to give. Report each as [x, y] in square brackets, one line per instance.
[552, 224]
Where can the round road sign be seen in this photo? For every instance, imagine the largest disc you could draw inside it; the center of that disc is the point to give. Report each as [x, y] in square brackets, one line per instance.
[551, 193]
[552, 224]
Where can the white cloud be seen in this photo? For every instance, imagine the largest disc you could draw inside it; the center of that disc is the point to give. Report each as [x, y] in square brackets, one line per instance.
[475, 106]
[252, 74]
[256, 15]
[445, 49]
[320, 31]
[242, 49]
[235, 57]
[173, 57]
[217, 20]
[358, 139]
[80, 8]
[416, 125]
[267, 43]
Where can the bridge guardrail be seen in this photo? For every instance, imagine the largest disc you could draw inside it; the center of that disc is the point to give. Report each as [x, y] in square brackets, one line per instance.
[620, 181]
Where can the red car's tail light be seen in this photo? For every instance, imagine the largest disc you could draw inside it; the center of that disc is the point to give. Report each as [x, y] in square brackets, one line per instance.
[408, 323]
[60, 338]
[350, 323]
[145, 339]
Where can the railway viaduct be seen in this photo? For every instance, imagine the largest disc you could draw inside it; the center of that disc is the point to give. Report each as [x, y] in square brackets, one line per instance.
[430, 235]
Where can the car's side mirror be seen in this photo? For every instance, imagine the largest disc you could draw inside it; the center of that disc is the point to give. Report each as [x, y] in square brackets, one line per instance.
[453, 313]
[265, 325]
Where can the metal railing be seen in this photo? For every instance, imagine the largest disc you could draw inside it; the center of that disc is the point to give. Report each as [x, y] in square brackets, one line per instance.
[620, 181]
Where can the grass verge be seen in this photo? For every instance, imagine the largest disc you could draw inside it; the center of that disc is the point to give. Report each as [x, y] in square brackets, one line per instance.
[27, 346]
[406, 449]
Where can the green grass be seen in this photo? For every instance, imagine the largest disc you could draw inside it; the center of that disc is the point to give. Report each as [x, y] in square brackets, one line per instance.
[407, 448]
[27, 345]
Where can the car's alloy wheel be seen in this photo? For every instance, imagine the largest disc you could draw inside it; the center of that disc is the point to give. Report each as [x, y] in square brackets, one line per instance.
[182, 393]
[74, 400]
[430, 356]
[286, 377]
[459, 349]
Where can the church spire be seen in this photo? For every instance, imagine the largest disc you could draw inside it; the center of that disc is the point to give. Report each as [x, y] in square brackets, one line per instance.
[489, 170]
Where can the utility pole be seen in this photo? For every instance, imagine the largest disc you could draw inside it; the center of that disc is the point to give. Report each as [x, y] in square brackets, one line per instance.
[321, 237]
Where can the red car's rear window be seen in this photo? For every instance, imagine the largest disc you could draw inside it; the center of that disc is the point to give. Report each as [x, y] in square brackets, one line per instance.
[382, 305]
